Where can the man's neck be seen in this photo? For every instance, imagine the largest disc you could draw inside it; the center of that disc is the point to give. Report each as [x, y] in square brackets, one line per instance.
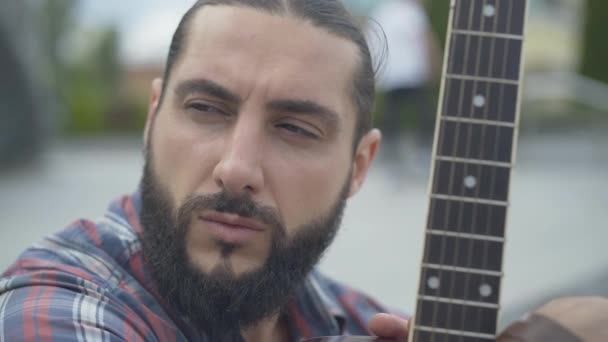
[272, 329]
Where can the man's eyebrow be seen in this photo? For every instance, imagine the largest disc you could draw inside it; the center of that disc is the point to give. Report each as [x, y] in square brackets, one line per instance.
[205, 86]
[306, 107]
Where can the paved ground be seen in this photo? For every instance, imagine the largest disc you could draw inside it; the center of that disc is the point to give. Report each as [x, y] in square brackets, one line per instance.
[557, 222]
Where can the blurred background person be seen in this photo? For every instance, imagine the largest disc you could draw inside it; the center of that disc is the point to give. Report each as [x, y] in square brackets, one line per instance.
[412, 67]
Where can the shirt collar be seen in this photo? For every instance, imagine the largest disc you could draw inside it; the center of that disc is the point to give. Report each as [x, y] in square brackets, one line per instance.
[314, 311]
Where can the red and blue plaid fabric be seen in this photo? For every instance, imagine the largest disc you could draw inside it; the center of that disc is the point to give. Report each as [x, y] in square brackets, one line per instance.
[90, 282]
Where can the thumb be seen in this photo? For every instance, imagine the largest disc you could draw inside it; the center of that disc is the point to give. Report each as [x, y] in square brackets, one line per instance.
[389, 326]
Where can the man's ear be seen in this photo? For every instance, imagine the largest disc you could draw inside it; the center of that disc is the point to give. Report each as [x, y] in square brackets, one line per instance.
[364, 155]
[153, 103]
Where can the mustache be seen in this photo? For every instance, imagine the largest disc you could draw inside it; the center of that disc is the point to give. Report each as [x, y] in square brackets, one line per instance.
[229, 203]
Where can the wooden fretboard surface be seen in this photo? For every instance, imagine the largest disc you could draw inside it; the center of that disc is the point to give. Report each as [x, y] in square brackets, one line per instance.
[459, 292]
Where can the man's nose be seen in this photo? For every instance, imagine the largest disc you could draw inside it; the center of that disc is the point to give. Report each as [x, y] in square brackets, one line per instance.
[239, 169]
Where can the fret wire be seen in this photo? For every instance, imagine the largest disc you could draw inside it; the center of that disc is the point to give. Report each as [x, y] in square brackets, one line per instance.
[505, 113]
[466, 235]
[470, 199]
[476, 174]
[437, 221]
[474, 161]
[435, 283]
[459, 259]
[453, 332]
[477, 121]
[488, 34]
[481, 79]
[460, 302]
[463, 269]
[480, 150]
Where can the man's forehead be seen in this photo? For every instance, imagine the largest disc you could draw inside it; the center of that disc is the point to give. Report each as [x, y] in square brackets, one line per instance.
[283, 30]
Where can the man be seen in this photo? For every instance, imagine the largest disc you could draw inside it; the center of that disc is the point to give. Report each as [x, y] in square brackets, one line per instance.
[256, 135]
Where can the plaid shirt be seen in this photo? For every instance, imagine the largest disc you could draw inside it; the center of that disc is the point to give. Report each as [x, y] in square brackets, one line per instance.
[90, 282]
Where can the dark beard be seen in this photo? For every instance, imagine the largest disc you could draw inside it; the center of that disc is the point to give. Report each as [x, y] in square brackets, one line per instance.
[220, 303]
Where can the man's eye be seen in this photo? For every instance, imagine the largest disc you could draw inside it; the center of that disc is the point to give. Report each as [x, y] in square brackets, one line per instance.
[297, 130]
[204, 108]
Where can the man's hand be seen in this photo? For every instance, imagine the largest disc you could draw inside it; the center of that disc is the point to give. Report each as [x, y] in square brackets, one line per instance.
[390, 327]
[565, 319]
[570, 319]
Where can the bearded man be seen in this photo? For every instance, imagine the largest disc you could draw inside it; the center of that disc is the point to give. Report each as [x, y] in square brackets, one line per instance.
[256, 135]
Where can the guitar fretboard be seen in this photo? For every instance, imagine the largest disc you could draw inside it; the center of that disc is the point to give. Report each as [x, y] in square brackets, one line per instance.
[458, 297]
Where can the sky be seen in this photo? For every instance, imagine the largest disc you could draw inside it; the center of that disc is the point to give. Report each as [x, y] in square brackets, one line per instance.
[146, 26]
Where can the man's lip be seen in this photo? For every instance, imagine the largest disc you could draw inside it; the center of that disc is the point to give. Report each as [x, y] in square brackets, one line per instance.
[233, 220]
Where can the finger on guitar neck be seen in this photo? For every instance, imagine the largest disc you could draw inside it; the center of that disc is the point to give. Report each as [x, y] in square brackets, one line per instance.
[537, 327]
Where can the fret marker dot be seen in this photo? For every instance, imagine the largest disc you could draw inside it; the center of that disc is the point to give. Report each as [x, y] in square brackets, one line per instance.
[470, 182]
[485, 290]
[433, 282]
[489, 10]
[479, 101]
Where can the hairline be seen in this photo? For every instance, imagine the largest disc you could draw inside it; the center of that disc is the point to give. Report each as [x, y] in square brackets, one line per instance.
[285, 10]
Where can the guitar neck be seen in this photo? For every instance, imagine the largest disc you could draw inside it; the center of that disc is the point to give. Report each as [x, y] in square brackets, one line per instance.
[474, 148]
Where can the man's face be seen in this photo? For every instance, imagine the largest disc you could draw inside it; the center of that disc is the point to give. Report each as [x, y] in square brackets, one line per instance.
[258, 106]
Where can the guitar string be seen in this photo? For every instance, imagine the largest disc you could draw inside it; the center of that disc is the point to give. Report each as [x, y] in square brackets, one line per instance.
[466, 244]
[485, 115]
[503, 74]
[427, 249]
[467, 286]
[451, 165]
[443, 239]
[461, 243]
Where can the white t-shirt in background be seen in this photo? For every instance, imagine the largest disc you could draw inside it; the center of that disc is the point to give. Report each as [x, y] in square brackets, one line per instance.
[405, 25]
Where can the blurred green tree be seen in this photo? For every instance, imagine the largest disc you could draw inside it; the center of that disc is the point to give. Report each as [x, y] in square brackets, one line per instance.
[92, 83]
[439, 11]
[595, 46]
[86, 72]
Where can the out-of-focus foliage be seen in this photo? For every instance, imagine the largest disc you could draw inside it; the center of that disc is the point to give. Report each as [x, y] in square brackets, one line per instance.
[595, 44]
[88, 83]
[93, 90]
[439, 11]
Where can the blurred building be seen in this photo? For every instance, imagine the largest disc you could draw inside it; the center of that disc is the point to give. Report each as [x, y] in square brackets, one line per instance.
[26, 107]
[562, 21]
[138, 80]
